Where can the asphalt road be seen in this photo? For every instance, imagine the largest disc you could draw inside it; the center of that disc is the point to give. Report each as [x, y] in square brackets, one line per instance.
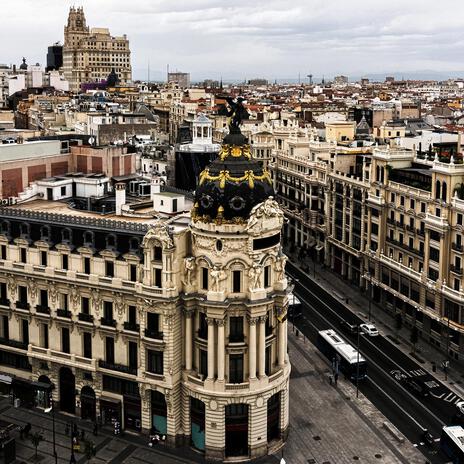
[388, 368]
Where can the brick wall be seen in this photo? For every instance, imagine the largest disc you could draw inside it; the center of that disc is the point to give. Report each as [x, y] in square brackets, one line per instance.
[97, 164]
[128, 164]
[12, 182]
[36, 172]
[116, 166]
[81, 164]
[58, 169]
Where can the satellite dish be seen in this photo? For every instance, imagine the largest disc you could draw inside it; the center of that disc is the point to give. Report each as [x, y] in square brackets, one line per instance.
[92, 140]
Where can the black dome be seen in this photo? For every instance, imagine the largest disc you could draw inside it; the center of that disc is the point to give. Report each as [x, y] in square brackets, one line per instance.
[232, 184]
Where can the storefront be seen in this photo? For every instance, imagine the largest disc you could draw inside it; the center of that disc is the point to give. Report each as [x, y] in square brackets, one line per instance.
[110, 410]
[31, 394]
[197, 415]
[132, 412]
[159, 413]
[5, 385]
[88, 403]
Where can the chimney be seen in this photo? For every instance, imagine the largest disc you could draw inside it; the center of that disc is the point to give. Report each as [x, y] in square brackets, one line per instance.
[120, 197]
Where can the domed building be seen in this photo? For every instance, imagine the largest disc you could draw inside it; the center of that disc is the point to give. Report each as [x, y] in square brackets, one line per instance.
[236, 376]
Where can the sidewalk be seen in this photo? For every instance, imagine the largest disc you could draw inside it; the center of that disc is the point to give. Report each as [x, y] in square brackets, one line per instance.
[359, 304]
[329, 425]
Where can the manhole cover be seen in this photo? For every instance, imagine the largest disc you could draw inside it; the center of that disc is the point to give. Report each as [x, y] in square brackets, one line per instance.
[317, 437]
[378, 456]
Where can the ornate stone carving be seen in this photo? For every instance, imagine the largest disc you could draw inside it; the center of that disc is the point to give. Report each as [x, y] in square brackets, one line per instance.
[74, 296]
[265, 210]
[97, 301]
[253, 274]
[119, 304]
[217, 275]
[32, 288]
[12, 286]
[252, 320]
[204, 242]
[220, 322]
[53, 292]
[189, 269]
[158, 232]
[280, 267]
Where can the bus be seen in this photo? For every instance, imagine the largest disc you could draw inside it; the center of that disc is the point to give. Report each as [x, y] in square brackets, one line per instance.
[350, 362]
[452, 443]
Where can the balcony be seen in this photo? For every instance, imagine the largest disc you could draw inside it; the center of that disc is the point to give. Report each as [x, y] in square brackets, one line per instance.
[84, 317]
[4, 302]
[42, 309]
[108, 322]
[63, 313]
[131, 326]
[117, 367]
[155, 334]
[23, 305]
[13, 343]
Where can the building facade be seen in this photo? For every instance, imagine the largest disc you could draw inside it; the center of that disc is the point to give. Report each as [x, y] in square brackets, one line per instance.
[173, 325]
[90, 55]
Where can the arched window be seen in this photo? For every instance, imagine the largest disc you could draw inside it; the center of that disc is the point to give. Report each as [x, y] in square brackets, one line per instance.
[443, 191]
[6, 227]
[25, 229]
[88, 238]
[66, 235]
[111, 241]
[134, 244]
[437, 189]
[45, 232]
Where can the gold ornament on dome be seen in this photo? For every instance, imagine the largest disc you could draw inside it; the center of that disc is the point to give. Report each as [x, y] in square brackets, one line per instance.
[235, 151]
[225, 176]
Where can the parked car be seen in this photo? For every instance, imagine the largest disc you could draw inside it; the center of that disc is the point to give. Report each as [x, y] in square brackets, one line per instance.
[369, 329]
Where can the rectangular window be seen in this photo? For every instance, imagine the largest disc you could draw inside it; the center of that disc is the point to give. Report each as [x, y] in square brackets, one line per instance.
[157, 253]
[23, 255]
[153, 322]
[202, 326]
[65, 346]
[4, 252]
[25, 331]
[374, 228]
[133, 358]
[235, 329]
[422, 207]
[6, 328]
[133, 272]
[204, 278]
[401, 200]
[236, 368]
[86, 265]
[459, 219]
[63, 191]
[434, 254]
[267, 276]
[85, 305]
[412, 203]
[3, 294]
[155, 362]
[203, 367]
[109, 350]
[109, 268]
[22, 294]
[108, 310]
[132, 315]
[44, 335]
[87, 344]
[43, 258]
[158, 277]
[44, 298]
[267, 365]
[64, 262]
[236, 281]
[392, 198]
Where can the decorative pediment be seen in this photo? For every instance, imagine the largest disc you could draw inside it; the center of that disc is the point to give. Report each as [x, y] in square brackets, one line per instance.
[158, 232]
[268, 209]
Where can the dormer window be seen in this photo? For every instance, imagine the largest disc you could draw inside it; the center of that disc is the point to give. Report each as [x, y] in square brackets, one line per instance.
[134, 244]
[45, 233]
[66, 236]
[111, 241]
[25, 229]
[88, 239]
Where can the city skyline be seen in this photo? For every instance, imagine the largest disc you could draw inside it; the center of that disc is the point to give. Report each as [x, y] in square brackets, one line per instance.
[265, 39]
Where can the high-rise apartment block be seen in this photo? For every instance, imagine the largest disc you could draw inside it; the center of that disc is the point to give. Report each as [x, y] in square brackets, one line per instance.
[90, 55]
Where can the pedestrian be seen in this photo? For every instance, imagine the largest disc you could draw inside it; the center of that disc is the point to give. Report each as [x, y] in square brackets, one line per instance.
[95, 428]
[336, 378]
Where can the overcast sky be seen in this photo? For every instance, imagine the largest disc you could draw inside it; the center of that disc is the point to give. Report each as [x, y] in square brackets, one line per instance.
[241, 39]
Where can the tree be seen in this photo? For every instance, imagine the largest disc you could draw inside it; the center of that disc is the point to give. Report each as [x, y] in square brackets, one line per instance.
[36, 438]
[414, 337]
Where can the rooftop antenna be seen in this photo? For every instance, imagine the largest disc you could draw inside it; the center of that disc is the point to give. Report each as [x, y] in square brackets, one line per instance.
[299, 79]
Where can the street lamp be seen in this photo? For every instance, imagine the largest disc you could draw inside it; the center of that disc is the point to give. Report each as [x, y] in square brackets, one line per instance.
[357, 364]
[52, 410]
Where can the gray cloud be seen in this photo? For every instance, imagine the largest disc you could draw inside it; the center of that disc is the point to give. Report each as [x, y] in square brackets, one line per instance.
[246, 38]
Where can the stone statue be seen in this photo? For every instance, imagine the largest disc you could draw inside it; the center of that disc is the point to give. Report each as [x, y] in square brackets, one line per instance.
[267, 209]
[189, 268]
[158, 231]
[237, 113]
[253, 274]
[217, 274]
[280, 266]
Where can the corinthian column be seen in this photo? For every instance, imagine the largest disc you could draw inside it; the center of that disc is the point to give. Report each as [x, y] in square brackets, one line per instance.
[188, 340]
[252, 347]
[262, 346]
[211, 347]
[220, 350]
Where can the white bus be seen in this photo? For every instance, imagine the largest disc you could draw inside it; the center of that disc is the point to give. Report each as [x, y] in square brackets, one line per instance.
[452, 443]
[351, 363]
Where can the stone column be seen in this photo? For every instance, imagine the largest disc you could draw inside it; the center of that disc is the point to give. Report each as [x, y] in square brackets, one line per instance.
[262, 346]
[220, 350]
[252, 347]
[281, 335]
[188, 340]
[211, 347]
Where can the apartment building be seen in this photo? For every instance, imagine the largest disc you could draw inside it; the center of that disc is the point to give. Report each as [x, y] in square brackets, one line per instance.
[90, 55]
[176, 325]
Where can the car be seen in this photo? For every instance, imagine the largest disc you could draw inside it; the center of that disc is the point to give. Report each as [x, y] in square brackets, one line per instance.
[417, 386]
[369, 329]
[352, 328]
